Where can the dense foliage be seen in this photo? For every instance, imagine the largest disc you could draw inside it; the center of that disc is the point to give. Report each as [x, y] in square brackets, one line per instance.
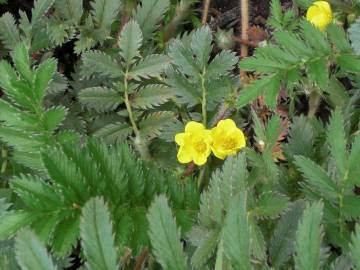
[90, 177]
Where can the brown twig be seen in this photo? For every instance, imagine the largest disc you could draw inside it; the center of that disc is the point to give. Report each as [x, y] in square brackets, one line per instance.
[205, 11]
[141, 259]
[244, 4]
[248, 43]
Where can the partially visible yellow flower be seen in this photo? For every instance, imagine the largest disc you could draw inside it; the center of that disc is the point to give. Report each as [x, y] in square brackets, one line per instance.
[320, 14]
[227, 139]
[195, 144]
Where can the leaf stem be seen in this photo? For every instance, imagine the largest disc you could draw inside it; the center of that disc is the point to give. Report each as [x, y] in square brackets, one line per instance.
[128, 106]
[203, 102]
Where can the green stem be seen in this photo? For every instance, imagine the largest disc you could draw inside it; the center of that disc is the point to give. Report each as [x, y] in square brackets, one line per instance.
[128, 106]
[314, 102]
[203, 102]
[140, 143]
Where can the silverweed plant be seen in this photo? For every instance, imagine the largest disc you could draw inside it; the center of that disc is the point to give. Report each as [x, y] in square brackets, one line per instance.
[129, 140]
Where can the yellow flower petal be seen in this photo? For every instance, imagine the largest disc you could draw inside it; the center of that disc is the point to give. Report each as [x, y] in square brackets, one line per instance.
[180, 138]
[184, 155]
[226, 124]
[194, 127]
[319, 14]
[200, 159]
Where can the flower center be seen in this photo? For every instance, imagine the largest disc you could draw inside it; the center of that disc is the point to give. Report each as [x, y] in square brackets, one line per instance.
[199, 146]
[229, 143]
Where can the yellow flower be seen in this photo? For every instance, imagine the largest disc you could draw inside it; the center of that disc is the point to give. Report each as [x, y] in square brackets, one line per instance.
[227, 139]
[195, 144]
[320, 14]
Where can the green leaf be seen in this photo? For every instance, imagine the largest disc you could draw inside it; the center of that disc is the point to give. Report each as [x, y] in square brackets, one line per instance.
[66, 234]
[354, 33]
[355, 248]
[271, 204]
[101, 99]
[21, 59]
[316, 178]
[201, 45]
[43, 75]
[315, 37]
[151, 96]
[165, 236]
[205, 248]
[13, 221]
[30, 252]
[149, 14]
[104, 12]
[336, 139]
[152, 125]
[250, 93]
[338, 36]
[97, 237]
[308, 238]
[222, 64]
[53, 117]
[183, 59]
[354, 168]
[113, 133]
[9, 33]
[70, 9]
[318, 72]
[130, 41]
[349, 62]
[186, 93]
[151, 66]
[96, 62]
[41, 7]
[282, 241]
[236, 232]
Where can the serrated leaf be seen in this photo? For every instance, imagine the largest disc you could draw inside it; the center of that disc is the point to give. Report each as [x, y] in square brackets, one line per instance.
[113, 133]
[182, 58]
[66, 234]
[222, 64]
[282, 241]
[97, 237]
[149, 14]
[318, 72]
[349, 62]
[41, 7]
[236, 236]
[96, 62]
[336, 139]
[186, 92]
[70, 9]
[43, 76]
[256, 88]
[151, 96]
[104, 12]
[354, 33]
[316, 177]
[152, 125]
[205, 248]
[165, 236]
[150, 66]
[12, 221]
[30, 252]
[308, 238]
[130, 42]
[201, 45]
[8, 31]
[271, 204]
[101, 99]
[355, 247]
[21, 59]
[337, 36]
